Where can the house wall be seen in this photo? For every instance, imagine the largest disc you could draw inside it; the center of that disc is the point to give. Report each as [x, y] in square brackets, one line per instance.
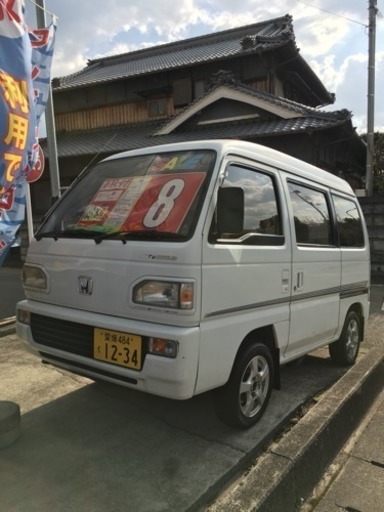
[112, 115]
[127, 101]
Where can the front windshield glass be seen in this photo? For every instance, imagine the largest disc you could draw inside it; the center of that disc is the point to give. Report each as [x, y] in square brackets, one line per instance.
[155, 196]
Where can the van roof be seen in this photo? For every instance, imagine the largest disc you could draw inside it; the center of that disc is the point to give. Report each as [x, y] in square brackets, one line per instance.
[253, 151]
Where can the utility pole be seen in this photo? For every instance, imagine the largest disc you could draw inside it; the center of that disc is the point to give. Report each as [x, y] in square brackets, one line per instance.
[50, 120]
[371, 96]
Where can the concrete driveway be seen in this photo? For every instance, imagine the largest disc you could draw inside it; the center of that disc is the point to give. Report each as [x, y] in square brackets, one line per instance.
[100, 448]
[97, 447]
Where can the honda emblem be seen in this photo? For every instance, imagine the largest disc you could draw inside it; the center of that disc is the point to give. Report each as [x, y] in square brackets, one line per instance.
[85, 285]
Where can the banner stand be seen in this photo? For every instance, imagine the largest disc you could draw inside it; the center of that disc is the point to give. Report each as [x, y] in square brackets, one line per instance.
[29, 213]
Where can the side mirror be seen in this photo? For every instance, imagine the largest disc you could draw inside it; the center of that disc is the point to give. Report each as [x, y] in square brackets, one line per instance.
[230, 210]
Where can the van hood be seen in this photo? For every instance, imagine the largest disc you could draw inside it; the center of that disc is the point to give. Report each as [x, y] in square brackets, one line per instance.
[100, 278]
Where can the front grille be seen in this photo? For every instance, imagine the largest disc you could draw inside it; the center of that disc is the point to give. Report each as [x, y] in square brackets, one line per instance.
[70, 337]
[62, 335]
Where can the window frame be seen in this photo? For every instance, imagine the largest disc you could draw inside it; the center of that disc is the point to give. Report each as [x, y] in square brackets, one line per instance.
[253, 238]
[161, 105]
[330, 207]
[356, 204]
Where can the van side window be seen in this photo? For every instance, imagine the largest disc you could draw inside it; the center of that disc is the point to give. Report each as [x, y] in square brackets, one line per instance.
[348, 222]
[311, 215]
[261, 212]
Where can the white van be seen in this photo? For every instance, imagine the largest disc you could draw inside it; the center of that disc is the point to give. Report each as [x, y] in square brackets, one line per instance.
[181, 268]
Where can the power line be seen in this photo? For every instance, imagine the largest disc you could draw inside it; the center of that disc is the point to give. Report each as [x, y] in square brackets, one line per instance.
[333, 14]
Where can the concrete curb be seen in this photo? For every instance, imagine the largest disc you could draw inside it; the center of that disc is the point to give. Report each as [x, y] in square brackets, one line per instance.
[7, 326]
[285, 476]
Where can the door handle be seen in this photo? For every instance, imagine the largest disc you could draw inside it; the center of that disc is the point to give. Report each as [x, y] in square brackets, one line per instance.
[299, 280]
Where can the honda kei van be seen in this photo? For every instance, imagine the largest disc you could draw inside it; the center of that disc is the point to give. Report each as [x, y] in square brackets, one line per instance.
[188, 267]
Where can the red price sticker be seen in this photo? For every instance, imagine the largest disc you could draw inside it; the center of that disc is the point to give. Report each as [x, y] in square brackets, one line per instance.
[164, 202]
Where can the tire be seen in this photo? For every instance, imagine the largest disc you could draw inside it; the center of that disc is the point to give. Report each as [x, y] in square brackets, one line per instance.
[344, 351]
[243, 400]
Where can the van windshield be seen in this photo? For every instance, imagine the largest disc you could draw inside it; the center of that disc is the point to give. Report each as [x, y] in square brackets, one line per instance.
[154, 197]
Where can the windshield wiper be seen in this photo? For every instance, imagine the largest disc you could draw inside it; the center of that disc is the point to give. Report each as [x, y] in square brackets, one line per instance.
[139, 235]
[68, 233]
[99, 236]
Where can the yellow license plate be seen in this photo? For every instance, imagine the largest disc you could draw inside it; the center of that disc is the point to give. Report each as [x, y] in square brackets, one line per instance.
[117, 348]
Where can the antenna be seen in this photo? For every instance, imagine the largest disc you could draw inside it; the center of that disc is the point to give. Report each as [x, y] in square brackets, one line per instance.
[100, 151]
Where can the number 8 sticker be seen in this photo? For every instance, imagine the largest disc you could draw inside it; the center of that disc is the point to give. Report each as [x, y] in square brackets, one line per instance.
[164, 204]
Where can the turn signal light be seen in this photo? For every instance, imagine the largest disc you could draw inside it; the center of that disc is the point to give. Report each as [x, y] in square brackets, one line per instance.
[161, 347]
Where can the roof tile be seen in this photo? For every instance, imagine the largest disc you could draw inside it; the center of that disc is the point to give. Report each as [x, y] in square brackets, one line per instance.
[263, 36]
[122, 138]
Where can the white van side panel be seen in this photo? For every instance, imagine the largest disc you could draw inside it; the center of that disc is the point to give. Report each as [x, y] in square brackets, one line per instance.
[355, 275]
[355, 264]
[316, 268]
[221, 338]
[315, 298]
[244, 288]
[240, 295]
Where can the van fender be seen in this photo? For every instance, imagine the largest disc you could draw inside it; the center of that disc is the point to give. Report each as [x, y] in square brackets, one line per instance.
[266, 336]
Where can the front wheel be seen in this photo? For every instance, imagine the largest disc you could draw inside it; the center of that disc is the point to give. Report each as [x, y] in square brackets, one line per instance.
[242, 401]
[344, 351]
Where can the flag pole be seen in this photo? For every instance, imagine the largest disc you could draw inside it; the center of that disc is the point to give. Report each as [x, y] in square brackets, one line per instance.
[29, 213]
[50, 120]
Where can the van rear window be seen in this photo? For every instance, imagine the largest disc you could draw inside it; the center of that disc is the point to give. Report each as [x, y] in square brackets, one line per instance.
[311, 215]
[349, 222]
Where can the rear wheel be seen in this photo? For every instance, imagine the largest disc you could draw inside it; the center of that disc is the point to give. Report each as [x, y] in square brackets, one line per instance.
[344, 351]
[242, 401]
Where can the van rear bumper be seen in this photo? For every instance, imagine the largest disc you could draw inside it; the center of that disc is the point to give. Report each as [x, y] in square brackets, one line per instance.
[66, 340]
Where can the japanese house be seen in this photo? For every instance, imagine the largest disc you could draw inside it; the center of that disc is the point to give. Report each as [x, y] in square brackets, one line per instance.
[247, 83]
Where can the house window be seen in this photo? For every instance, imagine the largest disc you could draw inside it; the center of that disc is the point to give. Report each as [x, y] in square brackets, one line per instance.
[182, 92]
[158, 107]
[198, 89]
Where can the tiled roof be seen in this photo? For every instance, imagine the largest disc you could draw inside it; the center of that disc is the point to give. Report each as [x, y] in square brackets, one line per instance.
[132, 136]
[265, 97]
[256, 38]
[122, 138]
[299, 108]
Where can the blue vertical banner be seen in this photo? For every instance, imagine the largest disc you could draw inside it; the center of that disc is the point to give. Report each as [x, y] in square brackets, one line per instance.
[42, 42]
[25, 63]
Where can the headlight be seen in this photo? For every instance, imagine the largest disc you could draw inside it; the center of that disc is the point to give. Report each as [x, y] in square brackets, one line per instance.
[34, 277]
[164, 294]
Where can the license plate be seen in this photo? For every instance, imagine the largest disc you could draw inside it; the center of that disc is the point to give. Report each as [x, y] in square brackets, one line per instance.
[117, 348]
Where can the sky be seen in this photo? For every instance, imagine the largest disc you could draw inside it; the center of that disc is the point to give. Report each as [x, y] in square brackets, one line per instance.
[332, 36]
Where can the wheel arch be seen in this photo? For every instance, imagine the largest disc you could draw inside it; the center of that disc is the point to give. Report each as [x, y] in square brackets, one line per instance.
[267, 336]
[358, 309]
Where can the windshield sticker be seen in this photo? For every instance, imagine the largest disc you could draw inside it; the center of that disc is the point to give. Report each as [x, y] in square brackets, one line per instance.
[139, 203]
[98, 210]
[186, 161]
